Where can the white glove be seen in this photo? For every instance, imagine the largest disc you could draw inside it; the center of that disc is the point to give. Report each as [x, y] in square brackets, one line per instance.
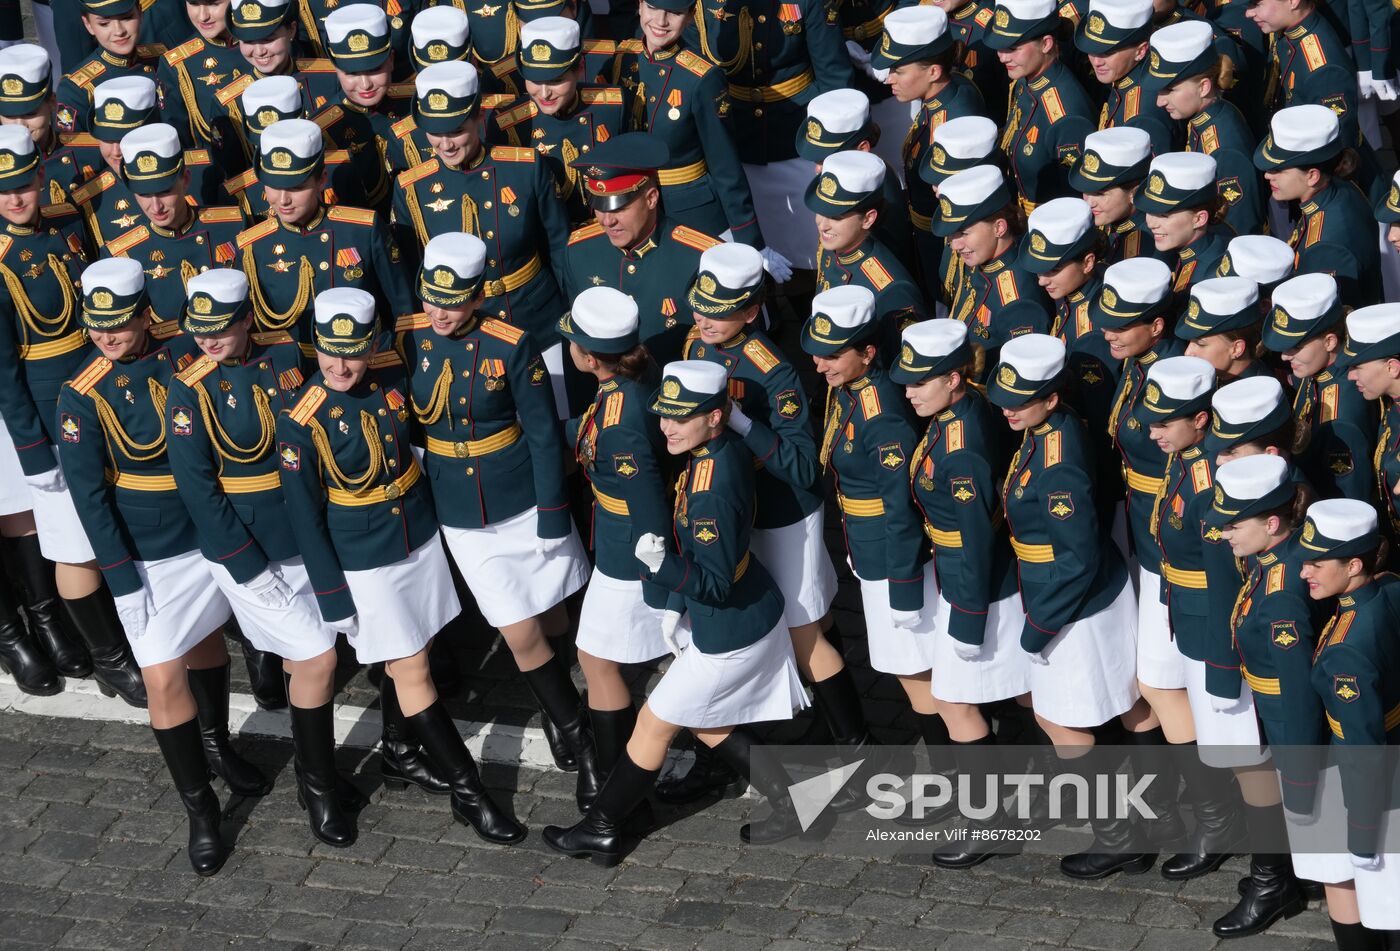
[1363, 84]
[135, 610]
[966, 651]
[550, 546]
[1038, 658]
[51, 481]
[651, 551]
[1372, 864]
[1299, 818]
[860, 59]
[669, 620]
[271, 590]
[738, 422]
[904, 620]
[776, 265]
[1386, 89]
[1221, 704]
[350, 626]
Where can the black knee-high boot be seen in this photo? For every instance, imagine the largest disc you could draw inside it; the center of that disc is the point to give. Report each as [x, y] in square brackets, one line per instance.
[1118, 846]
[737, 751]
[113, 667]
[600, 833]
[210, 687]
[318, 782]
[1162, 796]
[966, 853]
[401, 759]
[264, 674]
[1272, 891]
[471, 804]
[43, 608]
[709, 775]
[1219, 821]
[20, 656]
[562, 706]
[1358, 937]
[183, 750]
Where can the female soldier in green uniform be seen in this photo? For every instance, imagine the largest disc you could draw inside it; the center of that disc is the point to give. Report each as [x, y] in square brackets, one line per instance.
[1371, 359]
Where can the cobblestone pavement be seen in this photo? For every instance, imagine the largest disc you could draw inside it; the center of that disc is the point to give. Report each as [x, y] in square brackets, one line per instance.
[92, 856]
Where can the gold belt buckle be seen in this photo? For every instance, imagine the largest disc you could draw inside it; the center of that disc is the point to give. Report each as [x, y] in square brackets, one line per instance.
[461, 450]
[392, 491]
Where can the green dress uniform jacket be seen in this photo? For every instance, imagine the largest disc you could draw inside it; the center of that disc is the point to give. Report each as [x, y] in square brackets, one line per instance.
[1336, 436]
[1310, 63]
[597, 117]
[1094, 376]
[42, 345]
[188, 79]
[208, 240]
[1275, 625]
[507, 198]
[622, 453]
[1220, 131]
[247, 193]
[1372, 29]
[69, 161]
[109, 209]
[1331, 236]
[954, 472]
[1356, 672]
[364, 134]
[319, 88]
[1049, 119]
[1130, 238]
[778, 57]
[74, 93]
[1386, 465]
[683, 99]
[783, 442]
[1129, 104]
[731, 599]
[867, 439]
[1068, 568]
[1200, 259]
[975, 63]
[653, 272]
[288, 265]
[1144, 464]
[999, 300]
[355, 493]
[898, 302]
[221, 435]
[112, 446]
[410, 146]
[485, 408]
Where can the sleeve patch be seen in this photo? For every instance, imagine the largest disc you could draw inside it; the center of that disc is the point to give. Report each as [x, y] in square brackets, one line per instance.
[290, 456]
[538, 375]
[1346, 688]
[892, 456]
[788, 404]
[625, 464]
[1284, 634]
[706, 531]
[72, 428]
[1060, 504]
[181, 421]
[962, 489]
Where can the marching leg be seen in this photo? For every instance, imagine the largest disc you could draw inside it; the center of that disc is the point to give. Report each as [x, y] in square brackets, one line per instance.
[42, 607]
[20, 657]
[210, 687]
[313, 736]
[113, 668]
[183, 750]
[563, 708]
[471, 804]
[401, 759]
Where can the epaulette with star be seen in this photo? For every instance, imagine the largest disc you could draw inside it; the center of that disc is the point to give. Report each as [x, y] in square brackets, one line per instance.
[418, 172]
[234, 89]
[691, 63]
[222, 214]
[502, 331]
[196, 371]
[509, 153]
[260, 230]
[693, 239]
[82, 78]
[590, 230]
[604, 96]
[350, 215]
[90, 190]
[760, 356]
[89, 378]
[128, 240]
[184, 51]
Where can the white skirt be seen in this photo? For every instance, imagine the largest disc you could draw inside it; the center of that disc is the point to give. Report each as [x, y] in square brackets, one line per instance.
[796, 556]
[554, 362]
[1091, 676]
[749, 685]
[1227, 737]
[1378, 891]
[1159, 662]
[1329, 868]
[14, 493]
[508, 578]
[788, 226]
[1000, 672]
[616, 624]
[61, 534]
[189, 607]
[894, 650]
[895, 118]
[295, 632]
[402, 606]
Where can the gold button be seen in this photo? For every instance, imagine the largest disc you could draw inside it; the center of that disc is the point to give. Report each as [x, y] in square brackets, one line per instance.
[758, 113]
[762, 18]
[382, 411]
[465, 421]
[271, 391]
[388, 437]
[374, 387]
[393, 463]
[583, 120]
[471, 471]
[586, 148]
[469, 348]
[325, 266]
[325, 237]
[501, 314]
[262, 365]
[462, 400]
[485, 174]
[486, 204]
[651, 98]
[491, 263]
[631, 269]
[758, 46]
[490, 234]
[394, 510]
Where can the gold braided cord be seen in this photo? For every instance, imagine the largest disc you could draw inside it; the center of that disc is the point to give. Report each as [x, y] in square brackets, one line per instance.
[223, 443]
[410, 152]
[410, 195]
[569, 152]
[1013, 109]
[745, 46]
[120, 439]
[1015, 464]
[437, 399]
[187, 271]
[639, 108]
[268, 318]
[471, 218]
[199, 128]
[1154, 524]
[832, 424]
[681, 504]
[1303, 411]
[1119, 401]
[352, 484]
[1239, 603]
[308, 20]
[35, 322]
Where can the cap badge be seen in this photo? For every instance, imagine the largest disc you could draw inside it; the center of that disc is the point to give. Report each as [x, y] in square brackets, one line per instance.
[113, 110]
[266, 117]
[281, 159]
[442, 277]
[1193, 309]
[821, 325]
[827, 186]
[437, 52]
[202, 305]
[939, 156]
[342, 326]
[1155, 60]
[1037, 241]
[885, 43]
[1096, 24]
[1110, 297]
[1156, 184]
[945, 207]
[906, 354]
[1003, 17]
[102, 299]
[146, 163]
[707, 284]
[437, 101]
[1219, 495]
[814, 131]
[250, 11]
[12, 86]
[7, 161]
[1280, 317]
[1309, 530]
[1006, 376]
[1394, 199]
[1154, 394]
[671, 389]
[539, 51]
[358, 43]
[1091, 162]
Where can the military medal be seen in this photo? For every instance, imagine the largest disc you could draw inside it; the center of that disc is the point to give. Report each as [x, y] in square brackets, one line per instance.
[232, 401]
[494, 383]
[129, 398]
[344, 427]
[425, 364]
[849, 447]
[674, 101]
[925, 483]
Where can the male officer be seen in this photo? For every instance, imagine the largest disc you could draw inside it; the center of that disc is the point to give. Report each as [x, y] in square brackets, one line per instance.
[1335, 231]
[1050, 112]
[1336, 425]
[116, 25]
[846, 199]
[177, 239]
[632, 245]
[1308, 62]
[306, 245]
[1115, 38]
[560, 118]
[505, 196]
[26, 76]
[1114, 163]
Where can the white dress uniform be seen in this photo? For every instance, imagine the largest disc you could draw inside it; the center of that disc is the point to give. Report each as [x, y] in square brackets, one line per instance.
[14, 493]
